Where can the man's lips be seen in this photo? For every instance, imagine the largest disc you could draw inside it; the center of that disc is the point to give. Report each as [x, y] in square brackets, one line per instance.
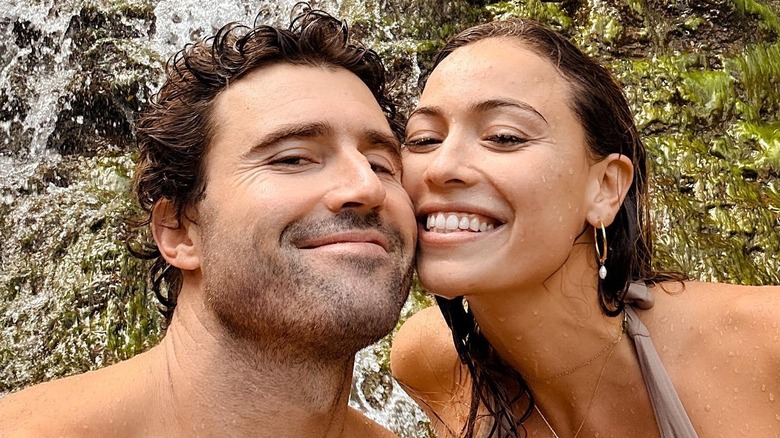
[359, 237]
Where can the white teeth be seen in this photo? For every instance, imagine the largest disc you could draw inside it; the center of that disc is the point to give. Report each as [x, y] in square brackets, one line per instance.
[449, 222]
[474, 225]
[440, 221]
[452, 222]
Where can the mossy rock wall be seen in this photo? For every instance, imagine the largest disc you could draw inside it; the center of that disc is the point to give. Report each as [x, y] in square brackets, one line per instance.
[701, 76]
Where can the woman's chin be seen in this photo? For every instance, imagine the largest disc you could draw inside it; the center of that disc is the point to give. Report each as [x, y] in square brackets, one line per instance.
[443, 285]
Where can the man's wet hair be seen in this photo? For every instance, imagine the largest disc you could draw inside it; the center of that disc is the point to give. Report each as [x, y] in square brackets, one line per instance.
[175, 131]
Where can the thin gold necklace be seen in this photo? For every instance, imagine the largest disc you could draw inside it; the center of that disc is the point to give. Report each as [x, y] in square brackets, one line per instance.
[583, 364]
[595, 388]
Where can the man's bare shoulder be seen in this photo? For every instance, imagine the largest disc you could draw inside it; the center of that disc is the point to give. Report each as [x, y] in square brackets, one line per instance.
[98, 403]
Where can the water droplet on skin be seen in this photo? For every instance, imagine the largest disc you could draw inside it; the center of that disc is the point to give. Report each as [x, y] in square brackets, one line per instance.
[731, 354]
[707, 408]
[518, 338]
[502, 319]
[671, 327]
[535, 312]
[771, 397]
[777, 417]
[763, 388]
[664, 348]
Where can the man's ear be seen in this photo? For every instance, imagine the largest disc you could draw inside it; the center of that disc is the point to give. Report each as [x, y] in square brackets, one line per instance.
[613, 177]
[178, 240]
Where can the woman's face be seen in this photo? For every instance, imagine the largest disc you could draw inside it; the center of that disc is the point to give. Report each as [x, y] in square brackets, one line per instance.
[496, 164]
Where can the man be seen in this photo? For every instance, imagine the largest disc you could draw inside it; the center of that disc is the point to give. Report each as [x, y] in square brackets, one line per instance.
[283, 244]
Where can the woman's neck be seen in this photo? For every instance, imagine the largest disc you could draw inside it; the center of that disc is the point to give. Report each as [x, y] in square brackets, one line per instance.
[558, 338]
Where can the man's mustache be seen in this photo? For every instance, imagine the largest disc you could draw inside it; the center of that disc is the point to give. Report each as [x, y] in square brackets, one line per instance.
[345, 220]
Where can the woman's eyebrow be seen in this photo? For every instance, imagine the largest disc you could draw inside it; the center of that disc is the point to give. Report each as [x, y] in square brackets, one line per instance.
[491, 104]
[426, 111]
[481, 107]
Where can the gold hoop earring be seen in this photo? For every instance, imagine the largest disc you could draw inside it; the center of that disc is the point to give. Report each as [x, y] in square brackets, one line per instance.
[602, 257]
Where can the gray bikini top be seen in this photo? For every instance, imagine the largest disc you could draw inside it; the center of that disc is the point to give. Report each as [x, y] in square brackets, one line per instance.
[670, 414]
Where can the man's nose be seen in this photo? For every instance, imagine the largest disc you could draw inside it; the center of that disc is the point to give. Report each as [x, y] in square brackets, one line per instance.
[355, 185]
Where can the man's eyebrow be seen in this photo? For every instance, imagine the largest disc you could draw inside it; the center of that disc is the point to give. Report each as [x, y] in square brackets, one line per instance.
[291, 131]
[483, 106]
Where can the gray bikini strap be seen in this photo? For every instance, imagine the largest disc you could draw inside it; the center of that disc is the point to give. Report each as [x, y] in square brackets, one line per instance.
[670, 414]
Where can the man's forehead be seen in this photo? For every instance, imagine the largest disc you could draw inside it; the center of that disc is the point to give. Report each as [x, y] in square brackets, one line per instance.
[290, 86]
[285, 100]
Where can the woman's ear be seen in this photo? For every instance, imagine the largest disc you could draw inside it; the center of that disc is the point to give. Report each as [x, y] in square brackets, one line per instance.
[613, 177]
[178, 239]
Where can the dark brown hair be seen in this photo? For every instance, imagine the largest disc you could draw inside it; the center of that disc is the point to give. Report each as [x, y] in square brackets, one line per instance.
[598, 102]
[174, 132]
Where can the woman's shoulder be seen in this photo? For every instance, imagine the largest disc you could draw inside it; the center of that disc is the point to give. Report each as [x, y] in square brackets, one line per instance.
[720, 344]
[718, 322]
[424, 361]
[720, 303]
[423, 356]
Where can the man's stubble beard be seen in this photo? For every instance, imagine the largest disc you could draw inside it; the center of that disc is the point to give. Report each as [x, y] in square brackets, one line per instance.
[270, 300]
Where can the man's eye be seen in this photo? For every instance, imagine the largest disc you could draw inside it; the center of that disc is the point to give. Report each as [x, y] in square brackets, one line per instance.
[381, 168]
[291, 161]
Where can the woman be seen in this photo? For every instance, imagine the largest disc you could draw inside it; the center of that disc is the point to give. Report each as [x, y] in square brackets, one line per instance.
[529, 183]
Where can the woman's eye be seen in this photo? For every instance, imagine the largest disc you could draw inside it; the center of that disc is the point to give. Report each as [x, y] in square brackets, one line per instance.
[507, 139]
[421, 144]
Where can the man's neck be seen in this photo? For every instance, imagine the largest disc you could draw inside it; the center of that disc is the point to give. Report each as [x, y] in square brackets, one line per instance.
[215, 383]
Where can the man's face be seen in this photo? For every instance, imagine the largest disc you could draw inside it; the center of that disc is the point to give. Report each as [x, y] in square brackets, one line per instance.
[307, 235]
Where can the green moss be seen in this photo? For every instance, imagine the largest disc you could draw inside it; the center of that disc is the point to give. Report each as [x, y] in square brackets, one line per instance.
[550, 13]
[693, 23]
[636, 6]
[77, 299]
[769, 18]
[758, 70]
[767, 138]
[712, 93]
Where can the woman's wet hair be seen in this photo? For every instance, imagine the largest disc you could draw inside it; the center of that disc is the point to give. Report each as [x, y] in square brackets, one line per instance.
[598, 102]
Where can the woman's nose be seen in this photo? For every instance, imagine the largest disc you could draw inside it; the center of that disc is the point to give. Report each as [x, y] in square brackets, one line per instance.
[450, 164]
